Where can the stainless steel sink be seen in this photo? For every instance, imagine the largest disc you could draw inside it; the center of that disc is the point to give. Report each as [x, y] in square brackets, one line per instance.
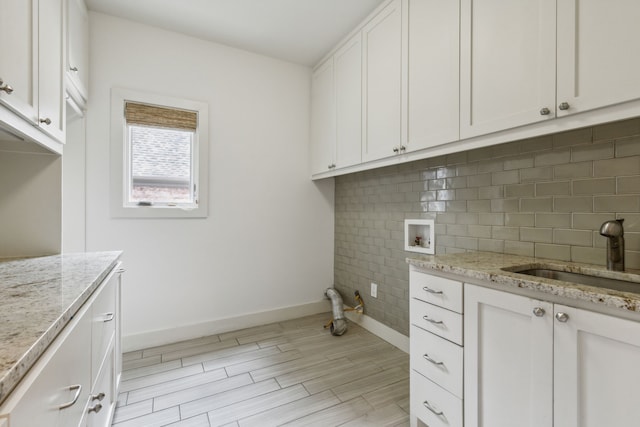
[582, 279]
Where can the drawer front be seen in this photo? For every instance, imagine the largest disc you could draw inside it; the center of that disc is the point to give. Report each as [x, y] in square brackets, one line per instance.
[439, 321]
[103, 394]
[54, 391]
[434, 405]
[103, 324]
[436, 290]
[437, 359]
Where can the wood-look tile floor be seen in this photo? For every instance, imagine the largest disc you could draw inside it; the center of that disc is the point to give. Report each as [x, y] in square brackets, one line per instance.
[292, 373]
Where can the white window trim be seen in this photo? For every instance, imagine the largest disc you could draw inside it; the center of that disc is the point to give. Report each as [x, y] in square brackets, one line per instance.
[118, 169]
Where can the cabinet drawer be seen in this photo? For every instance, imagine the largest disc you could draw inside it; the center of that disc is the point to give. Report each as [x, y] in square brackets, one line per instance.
[436, 290]
[437, 359]
[104, 394]
[439, 321]
[54, 391]
[103, 324]
[434, 405]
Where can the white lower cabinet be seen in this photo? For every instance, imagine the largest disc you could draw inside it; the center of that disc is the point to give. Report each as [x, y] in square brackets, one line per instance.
[66, 388]
[54, 391]
[508, 359]
[533, 363]
[525, 362]
[436, 351]
[596, 369]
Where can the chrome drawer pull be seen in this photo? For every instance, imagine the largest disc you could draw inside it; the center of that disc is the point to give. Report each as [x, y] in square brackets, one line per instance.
[96, 408]
[78, 389]
[435, 362]
[429, 407]
[108, 317]
[435, 322]
[432, 291]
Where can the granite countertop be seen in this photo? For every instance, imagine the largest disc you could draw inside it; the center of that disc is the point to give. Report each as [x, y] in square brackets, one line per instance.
[488, 266]
[38, 297]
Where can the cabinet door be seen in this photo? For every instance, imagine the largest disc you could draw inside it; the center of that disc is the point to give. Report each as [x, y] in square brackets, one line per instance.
[382, 83]
[434, 76]
[19, 61]
[51, 102]
[53, 381]
[348, 75]
[508, 366]
[507, 59]
[597, 370]
[598, 61]
[323, 118]
[78, 47]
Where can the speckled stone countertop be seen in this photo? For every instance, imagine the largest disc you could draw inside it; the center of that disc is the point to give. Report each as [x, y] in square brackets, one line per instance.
[38, 297]
[493, 267]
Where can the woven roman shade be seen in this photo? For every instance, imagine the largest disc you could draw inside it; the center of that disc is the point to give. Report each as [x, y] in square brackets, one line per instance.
[151, 115]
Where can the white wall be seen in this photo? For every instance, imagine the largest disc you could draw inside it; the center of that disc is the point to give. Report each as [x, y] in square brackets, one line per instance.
[268, 240]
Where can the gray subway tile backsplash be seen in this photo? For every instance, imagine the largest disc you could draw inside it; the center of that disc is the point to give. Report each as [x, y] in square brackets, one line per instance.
[543, 197]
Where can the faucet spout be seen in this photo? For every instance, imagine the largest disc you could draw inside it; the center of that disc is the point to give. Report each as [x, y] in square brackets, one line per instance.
[614, 232]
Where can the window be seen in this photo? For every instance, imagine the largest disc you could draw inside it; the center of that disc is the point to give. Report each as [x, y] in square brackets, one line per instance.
[159, 153]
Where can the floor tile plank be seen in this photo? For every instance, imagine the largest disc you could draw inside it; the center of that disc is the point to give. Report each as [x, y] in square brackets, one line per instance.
[256, 405]
[231, 397]
[291, 411]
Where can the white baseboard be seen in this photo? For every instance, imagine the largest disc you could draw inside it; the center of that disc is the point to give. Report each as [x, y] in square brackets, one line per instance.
[381, 330]
[167, 336]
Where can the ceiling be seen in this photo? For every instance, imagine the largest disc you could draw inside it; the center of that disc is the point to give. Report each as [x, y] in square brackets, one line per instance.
[299, 31]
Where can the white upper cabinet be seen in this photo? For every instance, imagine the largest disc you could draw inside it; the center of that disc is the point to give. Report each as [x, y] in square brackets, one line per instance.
[598, 59]
[507, 64]
[323, 118]
[382, 83]
[19, 62]
[433, 73]
[51, 93]
[32, 69]
[348, 98]
[77, 69]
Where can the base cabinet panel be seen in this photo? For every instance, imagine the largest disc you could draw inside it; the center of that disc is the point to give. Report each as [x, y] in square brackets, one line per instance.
[508, 359]
[596, 370]
[56, 388]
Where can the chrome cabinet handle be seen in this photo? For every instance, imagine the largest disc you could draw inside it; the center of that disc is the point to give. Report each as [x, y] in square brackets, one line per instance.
[564, 106]
[46, 121]
[74, 69]
[8, 89]
[429, 359]
[98, 396]
[562, 317]
[396, 149]
[431, 291]
[96, 408]
[108, 317]
[435, 322]
[429, 407]
[403, 148]
[78, 389]
[545, 111]
[538, 311]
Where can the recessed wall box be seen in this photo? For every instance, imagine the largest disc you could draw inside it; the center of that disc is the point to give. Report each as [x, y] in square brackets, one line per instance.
[419, 236]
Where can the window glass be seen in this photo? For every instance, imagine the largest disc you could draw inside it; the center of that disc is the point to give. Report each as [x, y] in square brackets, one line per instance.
[161, 166]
